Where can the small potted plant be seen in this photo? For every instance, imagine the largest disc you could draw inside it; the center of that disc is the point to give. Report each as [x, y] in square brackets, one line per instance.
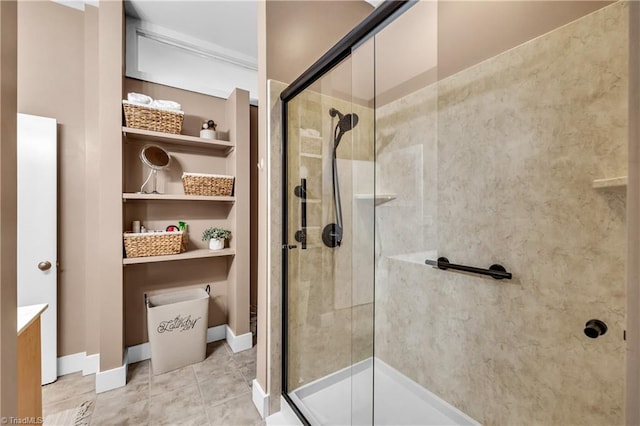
[216, 237]
[208, 130]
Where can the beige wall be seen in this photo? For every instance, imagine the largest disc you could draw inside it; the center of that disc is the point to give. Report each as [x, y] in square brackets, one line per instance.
[51, 77]
[109, 247]
[517, 141]
[8, 297]
[299, 32]
[91, 179]
[59, 61]
[253, 167]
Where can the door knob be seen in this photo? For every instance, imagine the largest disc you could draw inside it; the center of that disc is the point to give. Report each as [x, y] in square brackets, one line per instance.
[45, 265]
[595, 328]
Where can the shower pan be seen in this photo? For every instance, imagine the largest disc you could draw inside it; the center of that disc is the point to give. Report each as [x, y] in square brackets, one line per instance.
[450, 252]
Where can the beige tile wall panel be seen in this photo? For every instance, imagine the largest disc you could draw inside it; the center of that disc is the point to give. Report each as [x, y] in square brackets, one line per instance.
[274, 292]
[520, 138]
[632, 410]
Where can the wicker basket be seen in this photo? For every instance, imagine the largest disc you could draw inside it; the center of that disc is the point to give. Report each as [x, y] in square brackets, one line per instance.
[152, 244]
[148, 118]
[204, 184]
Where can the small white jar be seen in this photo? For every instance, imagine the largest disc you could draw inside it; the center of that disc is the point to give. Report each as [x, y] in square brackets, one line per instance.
[208, 134]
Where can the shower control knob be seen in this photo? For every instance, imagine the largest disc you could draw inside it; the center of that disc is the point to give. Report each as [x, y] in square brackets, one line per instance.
[595, 328]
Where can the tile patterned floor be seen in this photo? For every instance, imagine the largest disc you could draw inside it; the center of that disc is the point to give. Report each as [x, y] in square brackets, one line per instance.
[216, 391]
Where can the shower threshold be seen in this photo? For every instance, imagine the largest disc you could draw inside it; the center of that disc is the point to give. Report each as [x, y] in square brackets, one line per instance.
[345, 397]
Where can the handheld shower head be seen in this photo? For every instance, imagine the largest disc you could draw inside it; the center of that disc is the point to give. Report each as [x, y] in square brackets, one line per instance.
[332, 233]
[346, 123]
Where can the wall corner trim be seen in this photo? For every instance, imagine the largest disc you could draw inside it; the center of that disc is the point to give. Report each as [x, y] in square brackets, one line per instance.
[260, 399]
[239, 343]
[111, 379]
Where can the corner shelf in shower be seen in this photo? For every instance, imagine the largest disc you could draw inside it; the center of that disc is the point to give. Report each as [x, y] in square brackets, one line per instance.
[616, 182]
[307, 155]
[191, 254]
[303, 134]
[379, 198]
[175, 197]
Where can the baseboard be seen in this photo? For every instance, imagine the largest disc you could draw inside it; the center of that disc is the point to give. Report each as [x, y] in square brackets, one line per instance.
[111, 379]
[216, 333]
[138, 353]
[71, 363]
[260, 399]
[91, 364]
[142, 351]
[239, 343]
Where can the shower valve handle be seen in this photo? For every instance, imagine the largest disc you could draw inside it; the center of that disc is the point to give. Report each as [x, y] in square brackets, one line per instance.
[595, 328]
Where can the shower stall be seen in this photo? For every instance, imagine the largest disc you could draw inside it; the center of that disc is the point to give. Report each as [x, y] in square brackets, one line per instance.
[454, 217]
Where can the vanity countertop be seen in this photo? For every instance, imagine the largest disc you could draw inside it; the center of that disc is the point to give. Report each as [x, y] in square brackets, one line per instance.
[28, 314]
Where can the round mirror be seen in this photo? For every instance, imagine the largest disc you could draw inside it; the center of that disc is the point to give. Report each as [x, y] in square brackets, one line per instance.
[155, 157]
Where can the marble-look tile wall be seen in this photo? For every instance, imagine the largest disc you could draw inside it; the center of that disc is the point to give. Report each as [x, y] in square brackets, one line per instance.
[330, 303]
[502, 173]
[274, 298]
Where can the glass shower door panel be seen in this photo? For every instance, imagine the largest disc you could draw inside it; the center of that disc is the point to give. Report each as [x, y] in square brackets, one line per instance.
[328, 335]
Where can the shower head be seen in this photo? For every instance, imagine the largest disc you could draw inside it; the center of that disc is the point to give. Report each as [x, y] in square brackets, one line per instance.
[346, 123]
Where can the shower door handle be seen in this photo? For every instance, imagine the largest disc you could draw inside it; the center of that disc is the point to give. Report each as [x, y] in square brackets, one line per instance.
[301, 192]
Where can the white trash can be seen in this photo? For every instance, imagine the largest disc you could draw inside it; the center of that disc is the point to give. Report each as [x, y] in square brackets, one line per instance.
[177, 326]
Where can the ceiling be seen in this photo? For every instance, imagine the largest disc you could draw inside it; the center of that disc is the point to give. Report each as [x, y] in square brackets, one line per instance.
[229, 24]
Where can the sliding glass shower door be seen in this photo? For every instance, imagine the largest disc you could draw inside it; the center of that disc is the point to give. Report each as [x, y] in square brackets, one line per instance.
[330, 256]
[455, 220]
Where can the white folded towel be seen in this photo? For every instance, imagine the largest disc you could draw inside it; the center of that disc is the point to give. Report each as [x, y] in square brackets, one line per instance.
[168, 105]
[139, 98]
[310, 132]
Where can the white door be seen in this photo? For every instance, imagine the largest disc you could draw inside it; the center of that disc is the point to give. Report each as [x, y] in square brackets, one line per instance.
[37, 228]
